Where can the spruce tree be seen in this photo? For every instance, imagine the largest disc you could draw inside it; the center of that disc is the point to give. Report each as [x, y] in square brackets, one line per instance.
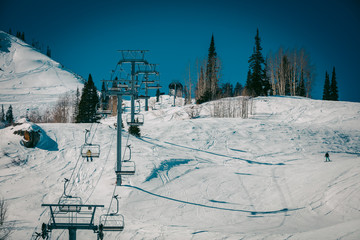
[2, 114]
[334, 95]
[255, 83]
[301, 89]
[326, 92]
[237, 90]
[157, 95]
[48, 52]
[9, 116]
[88, 103]
[211, 76]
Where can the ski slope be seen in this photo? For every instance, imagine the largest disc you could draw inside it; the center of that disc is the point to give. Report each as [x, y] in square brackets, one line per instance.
[206, 178]
[30, 79]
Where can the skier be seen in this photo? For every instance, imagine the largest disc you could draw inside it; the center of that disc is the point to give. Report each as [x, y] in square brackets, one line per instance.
[327, 159]
[88, 155]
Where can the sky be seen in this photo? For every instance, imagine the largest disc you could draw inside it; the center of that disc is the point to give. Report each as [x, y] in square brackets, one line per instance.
[84, 36]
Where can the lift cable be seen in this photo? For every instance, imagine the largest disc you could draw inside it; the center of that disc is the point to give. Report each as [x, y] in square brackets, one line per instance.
[102, 170]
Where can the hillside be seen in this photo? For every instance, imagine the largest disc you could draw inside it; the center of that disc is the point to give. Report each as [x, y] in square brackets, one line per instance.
[206, 178]
[30, 79]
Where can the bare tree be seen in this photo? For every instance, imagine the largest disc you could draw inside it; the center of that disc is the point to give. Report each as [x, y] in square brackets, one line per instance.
[63, 110]
[231, 107]
[5, 229]
[290, 72]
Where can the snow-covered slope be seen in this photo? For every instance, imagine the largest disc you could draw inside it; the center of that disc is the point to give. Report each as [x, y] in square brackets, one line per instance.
[204, 178]
[30, 79]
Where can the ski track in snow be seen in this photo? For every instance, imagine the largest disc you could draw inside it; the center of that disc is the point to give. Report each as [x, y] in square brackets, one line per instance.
[257, 178]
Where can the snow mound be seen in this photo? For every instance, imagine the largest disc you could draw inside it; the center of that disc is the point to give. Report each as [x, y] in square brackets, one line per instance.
[30, 79]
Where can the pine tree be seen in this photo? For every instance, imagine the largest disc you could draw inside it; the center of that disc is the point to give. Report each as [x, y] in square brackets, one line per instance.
[334, 95]
[157, 95]
[88, 103]
[211, 75]
[256, 81]
[2, 114]
[301, 89]
[9, 116]
[326, 92]
[238, 88]
[48, 52]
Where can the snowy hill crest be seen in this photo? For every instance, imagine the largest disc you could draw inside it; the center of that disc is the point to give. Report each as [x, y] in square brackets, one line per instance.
[30, 79]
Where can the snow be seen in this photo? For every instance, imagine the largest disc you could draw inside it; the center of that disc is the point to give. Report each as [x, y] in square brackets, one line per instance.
[205, 178]
[30, 79]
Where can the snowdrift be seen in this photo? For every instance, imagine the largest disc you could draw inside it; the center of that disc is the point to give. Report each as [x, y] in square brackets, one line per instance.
[30, 79]
[205, 178]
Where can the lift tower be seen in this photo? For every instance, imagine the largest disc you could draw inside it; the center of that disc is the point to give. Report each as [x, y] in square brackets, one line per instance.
[146, 70]
[125, 87]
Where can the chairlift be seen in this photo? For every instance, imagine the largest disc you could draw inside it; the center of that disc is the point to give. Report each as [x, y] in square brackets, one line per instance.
[88, 149]
[69, 203]
[154, 87]
[129, 156]
[147, 81]
[113, 221]
[127, 168]
[103, 111]
[138, 120]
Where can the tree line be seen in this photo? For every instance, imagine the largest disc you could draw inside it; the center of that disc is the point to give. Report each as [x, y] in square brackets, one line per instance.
[34, 43]
[287, 72]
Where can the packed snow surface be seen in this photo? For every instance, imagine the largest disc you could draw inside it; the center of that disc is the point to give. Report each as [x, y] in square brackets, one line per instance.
[30, 79]
[205, 178]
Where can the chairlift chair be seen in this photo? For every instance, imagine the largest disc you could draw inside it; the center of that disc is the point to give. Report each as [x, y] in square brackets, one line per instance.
[113, 221]
[138, 120]
[154, 87]
[69, 204]
[127, 168]
[147, 81]
[103, 111]
[90, 150]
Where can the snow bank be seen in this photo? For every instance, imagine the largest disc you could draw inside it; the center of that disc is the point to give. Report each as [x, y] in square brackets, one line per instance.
[30, 79]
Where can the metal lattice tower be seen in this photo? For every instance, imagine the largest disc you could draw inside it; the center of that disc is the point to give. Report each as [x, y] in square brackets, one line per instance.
[128, 86]
[147, 70]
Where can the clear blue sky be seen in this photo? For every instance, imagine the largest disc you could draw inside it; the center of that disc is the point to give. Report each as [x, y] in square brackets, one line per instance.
[85, 35]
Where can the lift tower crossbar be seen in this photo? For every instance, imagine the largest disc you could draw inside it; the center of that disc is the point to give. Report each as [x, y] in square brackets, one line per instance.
[78, 216]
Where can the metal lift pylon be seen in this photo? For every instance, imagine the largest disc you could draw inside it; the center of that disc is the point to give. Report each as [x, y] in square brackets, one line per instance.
[83, 219]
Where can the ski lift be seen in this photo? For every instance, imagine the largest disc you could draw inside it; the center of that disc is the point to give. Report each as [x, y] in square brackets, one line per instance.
[127, 168]
[129, 156]
[69, 203]
[138, 120]
[88, 149]
[154, 87]
[147, 81]
[113, 221]
[103, 111]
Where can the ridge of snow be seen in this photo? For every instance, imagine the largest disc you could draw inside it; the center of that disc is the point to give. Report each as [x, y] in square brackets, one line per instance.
[30, 79]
